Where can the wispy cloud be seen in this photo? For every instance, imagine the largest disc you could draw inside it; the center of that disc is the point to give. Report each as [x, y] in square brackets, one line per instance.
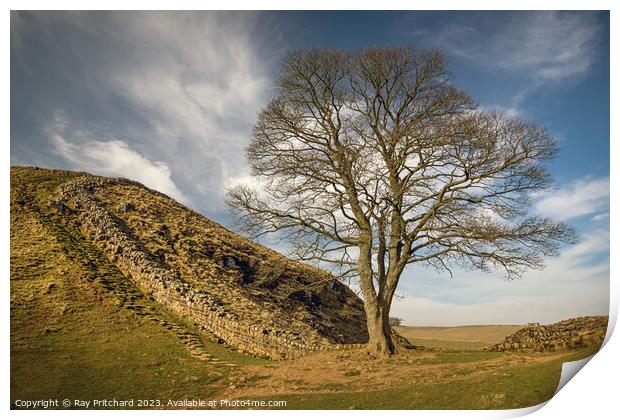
[537, 47]
[550, 45]
[600, 217]
[545, 44]
[581, 198]
[180, 87]
[575, 283]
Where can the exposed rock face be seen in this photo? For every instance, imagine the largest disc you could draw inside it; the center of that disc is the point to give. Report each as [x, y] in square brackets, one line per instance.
[569, 334]
[247, 295]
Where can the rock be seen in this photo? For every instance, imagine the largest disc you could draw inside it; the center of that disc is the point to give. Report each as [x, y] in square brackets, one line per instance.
[570, 333]
[59, 206]
[228, 262]
[124, 208]
[261, 326]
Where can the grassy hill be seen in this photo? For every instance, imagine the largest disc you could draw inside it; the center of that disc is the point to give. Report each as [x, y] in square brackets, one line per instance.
[82, 329]
[245, 294]
[73, 320]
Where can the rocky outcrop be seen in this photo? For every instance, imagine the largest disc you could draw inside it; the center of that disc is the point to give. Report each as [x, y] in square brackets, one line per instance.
[569, 334]
[258, 311]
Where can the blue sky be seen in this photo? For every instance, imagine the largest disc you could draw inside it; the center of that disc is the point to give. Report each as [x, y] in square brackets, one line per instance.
[168, 99]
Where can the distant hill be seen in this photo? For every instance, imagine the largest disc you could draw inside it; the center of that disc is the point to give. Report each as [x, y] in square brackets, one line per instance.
[468, 337]
[139, 245]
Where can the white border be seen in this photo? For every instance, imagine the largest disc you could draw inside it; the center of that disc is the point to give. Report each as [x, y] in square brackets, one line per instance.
[310, 5]
[590, 396]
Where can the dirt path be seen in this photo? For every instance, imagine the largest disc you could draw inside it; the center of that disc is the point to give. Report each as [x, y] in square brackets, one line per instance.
[355, 371]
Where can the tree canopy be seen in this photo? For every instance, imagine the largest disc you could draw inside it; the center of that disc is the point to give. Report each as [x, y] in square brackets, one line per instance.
[369, 161]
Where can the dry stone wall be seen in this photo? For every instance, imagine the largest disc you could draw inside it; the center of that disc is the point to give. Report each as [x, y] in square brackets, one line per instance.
[569, 334]
[166, 286]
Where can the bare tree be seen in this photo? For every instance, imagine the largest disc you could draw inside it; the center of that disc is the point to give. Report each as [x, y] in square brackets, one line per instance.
[370, 161]
[395, 321]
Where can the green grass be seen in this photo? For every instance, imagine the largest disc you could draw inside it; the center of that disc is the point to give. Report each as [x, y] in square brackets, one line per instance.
[433, 343]
[461, 357]
[72, 334]
[76, 334]
[508, 387]
[137, 363]
[352, 373]
[469, 337]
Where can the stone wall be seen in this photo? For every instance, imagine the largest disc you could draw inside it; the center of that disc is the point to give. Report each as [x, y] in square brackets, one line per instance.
[569, 334]
[166, 286]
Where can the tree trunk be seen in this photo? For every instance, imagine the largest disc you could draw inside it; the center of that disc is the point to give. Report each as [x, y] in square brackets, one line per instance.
[376, 306]
[379, 335]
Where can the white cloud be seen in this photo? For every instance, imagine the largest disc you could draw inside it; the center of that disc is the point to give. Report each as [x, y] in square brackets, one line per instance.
[180, 87]
[600, 217]
[552, 45]
[574, 284]
[201, 86]
[509, 111]
[581, 198]
[116, 158]
[544, 45]
[245, 180]
[529, 49]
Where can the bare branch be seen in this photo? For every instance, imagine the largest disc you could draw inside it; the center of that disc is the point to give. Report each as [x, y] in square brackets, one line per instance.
[374, 160]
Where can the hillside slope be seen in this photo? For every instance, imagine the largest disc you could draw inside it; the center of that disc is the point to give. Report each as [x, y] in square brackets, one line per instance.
[80, 328]
[246, 295]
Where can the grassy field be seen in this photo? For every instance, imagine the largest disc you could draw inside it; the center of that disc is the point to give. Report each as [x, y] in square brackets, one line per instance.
[80, 330]
[470, 337]
[510, 386]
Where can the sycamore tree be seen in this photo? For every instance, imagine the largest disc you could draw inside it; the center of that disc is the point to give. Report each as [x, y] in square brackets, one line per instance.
[371, 161]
